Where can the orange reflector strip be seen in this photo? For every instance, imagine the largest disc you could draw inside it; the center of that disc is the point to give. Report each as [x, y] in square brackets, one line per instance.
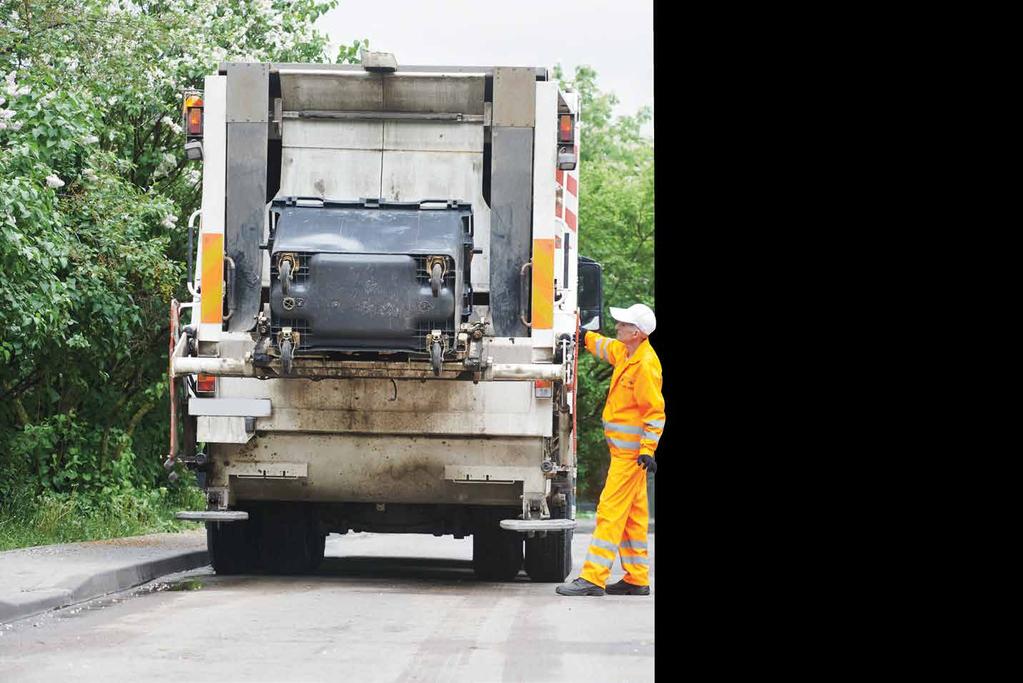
[542, 388]
[206, 383]
[543, 284]
[212, 282]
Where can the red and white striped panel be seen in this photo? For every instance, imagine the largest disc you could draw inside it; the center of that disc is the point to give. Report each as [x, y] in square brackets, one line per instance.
[566, 206]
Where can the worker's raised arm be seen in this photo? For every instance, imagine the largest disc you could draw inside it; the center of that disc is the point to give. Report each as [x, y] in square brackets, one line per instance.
[605, 348]
[651, 407]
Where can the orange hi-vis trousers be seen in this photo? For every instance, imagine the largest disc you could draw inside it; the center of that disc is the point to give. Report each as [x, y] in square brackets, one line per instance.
[622, 518]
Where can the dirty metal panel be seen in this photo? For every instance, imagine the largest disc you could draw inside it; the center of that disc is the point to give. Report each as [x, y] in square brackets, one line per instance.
[514, 97]
[268, 470]
[510, 225]
[402, 407]
[391, 422]
[333, 134]
[413, 176]
[488, 474]
[248, 93]
[211, 429]
[458, 94]
[246, 202]
[375, 468]
[433, 137]
[345, 91]
[330, 173]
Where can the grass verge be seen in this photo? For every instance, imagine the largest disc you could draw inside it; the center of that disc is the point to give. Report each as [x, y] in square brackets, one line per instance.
[70, 517]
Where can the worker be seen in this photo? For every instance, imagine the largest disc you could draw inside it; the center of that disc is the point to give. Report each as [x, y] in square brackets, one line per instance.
[633, 422]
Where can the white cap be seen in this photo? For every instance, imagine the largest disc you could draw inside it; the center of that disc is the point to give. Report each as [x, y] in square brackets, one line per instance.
[639, 315]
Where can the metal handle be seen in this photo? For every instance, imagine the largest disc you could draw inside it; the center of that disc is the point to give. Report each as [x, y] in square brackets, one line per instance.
[191, 238]
[229, 276]
[523, 293]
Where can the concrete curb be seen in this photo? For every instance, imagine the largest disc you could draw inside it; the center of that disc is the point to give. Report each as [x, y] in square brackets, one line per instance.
[82, 588]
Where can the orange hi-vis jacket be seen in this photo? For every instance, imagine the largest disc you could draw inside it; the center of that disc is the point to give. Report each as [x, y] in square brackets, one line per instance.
[634, 411]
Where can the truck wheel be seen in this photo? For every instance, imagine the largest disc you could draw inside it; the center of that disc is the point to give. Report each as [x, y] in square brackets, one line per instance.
[231, 546]
[549, 559]
[317, 544]
[287, 543]
[496, 553]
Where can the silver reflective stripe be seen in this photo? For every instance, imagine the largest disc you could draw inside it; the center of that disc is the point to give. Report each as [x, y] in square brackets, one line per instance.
[627, 429]
[602, 561]
[651, 435]
[629, 559]
[655, 423]
[634, 545]
[627, 445]
[603, 544]
[601, 344]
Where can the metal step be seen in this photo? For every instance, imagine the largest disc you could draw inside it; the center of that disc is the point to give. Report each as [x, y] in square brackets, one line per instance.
[213, 515]
[538, 524]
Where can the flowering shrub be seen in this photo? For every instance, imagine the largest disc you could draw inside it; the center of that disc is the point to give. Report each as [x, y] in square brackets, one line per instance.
[93, 182]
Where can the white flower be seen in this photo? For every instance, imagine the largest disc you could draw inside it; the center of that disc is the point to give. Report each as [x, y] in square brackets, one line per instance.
[90, 174]
[3, 125]
[6, 114]
[45, 99]
[2, 100]
[169, 221]
[172, 124]
[89, 139]
[194, 175]
[16, 125]
[53, 181]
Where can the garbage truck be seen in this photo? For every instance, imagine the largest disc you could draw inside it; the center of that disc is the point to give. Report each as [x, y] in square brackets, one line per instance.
[386, 303]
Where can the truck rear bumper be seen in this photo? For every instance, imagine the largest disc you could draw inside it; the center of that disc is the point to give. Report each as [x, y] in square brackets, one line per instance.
[527, 525]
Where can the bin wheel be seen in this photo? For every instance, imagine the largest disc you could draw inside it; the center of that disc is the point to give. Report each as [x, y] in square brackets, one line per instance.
[286, 355]
[435, 357]
[285, 275]
[435, 279]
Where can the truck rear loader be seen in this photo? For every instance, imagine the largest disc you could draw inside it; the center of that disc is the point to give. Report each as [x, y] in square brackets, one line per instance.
[386, 303]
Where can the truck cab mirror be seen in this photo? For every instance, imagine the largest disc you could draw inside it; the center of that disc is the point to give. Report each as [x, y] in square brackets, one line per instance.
[591, 294]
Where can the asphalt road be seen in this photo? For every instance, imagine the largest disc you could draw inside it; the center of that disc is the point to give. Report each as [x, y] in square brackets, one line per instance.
[382, 607]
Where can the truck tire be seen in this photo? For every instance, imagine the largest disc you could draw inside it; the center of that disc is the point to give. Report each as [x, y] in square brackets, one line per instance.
[289, 542]
[549, 559]
[317, 543]
[231, 546]
[496, 553]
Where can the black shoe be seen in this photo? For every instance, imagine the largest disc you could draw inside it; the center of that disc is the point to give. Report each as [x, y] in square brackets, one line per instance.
[623, 588]
[579, 587]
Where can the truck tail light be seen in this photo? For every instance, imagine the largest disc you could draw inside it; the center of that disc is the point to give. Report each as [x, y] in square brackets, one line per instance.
[566, 129]
[206, 384]
[193, 115]
[195, 121]
[543, 388]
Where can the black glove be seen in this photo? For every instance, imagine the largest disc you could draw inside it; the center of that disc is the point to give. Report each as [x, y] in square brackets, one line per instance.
[647, 463]
[583, 338]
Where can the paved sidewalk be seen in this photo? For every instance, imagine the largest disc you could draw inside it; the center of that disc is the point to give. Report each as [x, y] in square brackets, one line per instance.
[41, 578]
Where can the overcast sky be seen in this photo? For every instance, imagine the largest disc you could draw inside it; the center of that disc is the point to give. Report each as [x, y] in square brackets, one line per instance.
[614, 37]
